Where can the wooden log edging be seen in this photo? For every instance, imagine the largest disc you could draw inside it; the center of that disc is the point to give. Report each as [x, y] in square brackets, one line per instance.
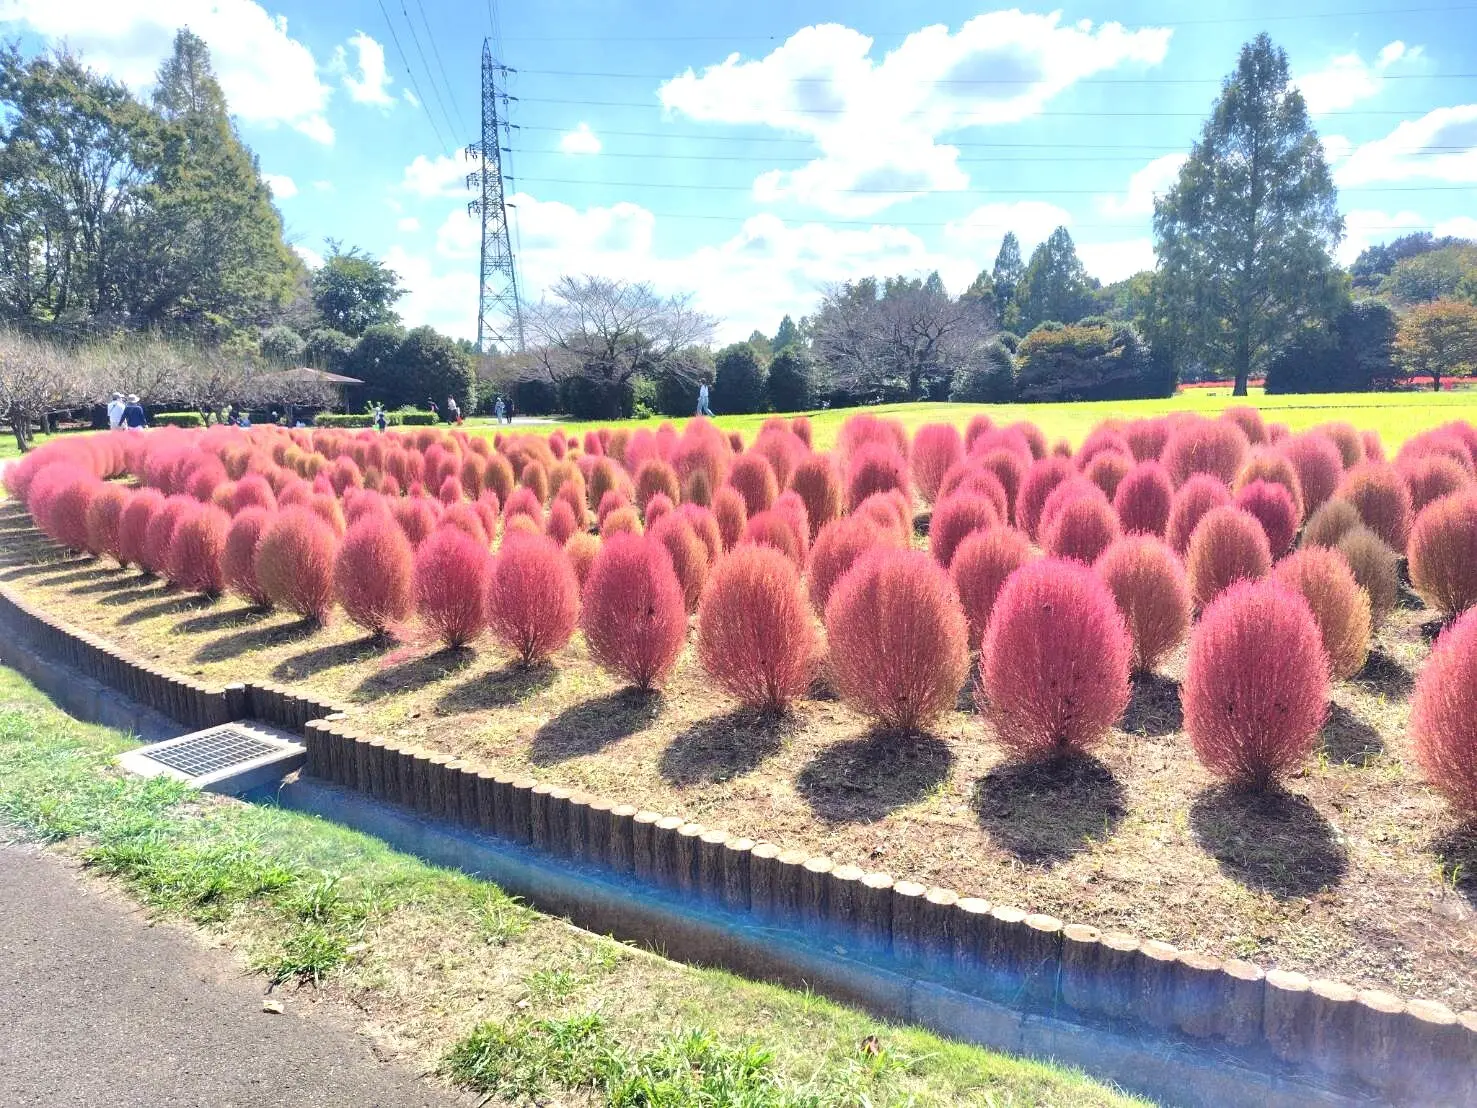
[1349, 1043]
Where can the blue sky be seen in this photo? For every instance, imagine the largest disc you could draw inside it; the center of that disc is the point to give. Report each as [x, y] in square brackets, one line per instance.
[752, 153]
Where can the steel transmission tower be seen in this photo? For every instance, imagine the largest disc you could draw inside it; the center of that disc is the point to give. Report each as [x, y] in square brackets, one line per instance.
[499, 313]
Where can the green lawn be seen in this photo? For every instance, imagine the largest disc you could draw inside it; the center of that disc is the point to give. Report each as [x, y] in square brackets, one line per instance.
[1395, 415]
[457, 975]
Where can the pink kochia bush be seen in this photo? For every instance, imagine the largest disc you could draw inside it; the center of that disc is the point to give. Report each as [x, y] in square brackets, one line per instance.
[533, 600]
[899, 645]
[451, 572]
[1082, 529]
[1055, 660]
[1143, 499]
[755, 634]
[1256, 684]
[837, 548]
[374, 574]
[1197, 496]
[294, 563]
[1228, 545]
[133, 525]
[954, 519]
[195, 551]
[872, 469]
[1040, 480]
[1443, 717]
[936, 447]
[982, 564]
[1148, 584]
[1382, 499]
[1443, 554]
[238, 558]
[634, 620]
[1274, 509]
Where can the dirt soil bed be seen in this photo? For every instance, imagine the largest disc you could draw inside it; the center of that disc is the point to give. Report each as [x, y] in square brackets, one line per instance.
[1356, 872]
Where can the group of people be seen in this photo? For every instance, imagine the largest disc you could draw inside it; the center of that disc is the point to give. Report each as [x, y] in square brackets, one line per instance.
[502, 410]
[126, 412]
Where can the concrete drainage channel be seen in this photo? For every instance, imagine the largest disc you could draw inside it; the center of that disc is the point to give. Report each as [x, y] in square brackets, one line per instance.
[1176, 1026]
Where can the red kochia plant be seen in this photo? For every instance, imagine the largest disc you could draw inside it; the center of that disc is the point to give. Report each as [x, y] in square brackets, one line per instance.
[774, 530]
[104, 515]
[294, 563]
[656, 476]
[982, 564]
[1332, 521]
[837, 548]
[752, 477]
[731, 512]
[1376, 567]
[659, 505]
[451, 572]
[875, 468]
[1432, 477]
[971, 476]
[1054, 662]
[1199, 495]
[1205, 446]
[1318, 465]
[755, 634]
[955, 518]
[705, 526]
[689, 555]
[1107, 470]
[1256, 685]
[1228, 545]
[417, 517]
[374, 574]
[1269, 464]
[1009, 468]
[1081, 529]
[936, 447]
[816, 483]
[1339, 606]
[1148, 583]
[65, 511]
[1382, 499]
[1347, 438]
[533, 600]
[1274, 510]
[634, 620]
[1040, 481]
[581, 550]
[561, 522]
[238, 558]
[1443, 717]
[899, 646]
[195, 550]
[160, 535]
[1443, 554]
[1144, 498]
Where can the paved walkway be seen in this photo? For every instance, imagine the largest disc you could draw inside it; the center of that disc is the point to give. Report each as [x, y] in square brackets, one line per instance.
[97, 1007]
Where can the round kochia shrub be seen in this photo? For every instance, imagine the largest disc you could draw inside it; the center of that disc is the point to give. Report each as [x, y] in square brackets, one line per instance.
[817, 484]
[982, 564]
[872, 469]
[1319, 466]
[1144, 498]
[133, 525]
[1197, 496]
[1382, 499]
[1256, 684]
[634, 620]
[1443, 717]
[1274, 509]
[774, 530]
[936, 447]
[955, 518]
[533, 597]
[898, 643]
[195, 550]
[731, 513]
[1332, 521]
[1431, 478]
[1443, 554]
[451, 572]
[1228, 545]
[755, 634]
[1214, 447]
[1273, 467]
[1082, 529]
[1376, 567]
[238, 558]
[104, 515]
[837, 548]
[374, 574]
[1340, 607]
[1040, 480]
[752, 477]
[1148, 584]
[160, 535]
[1054, 662]
[688, 553]
[294, 562]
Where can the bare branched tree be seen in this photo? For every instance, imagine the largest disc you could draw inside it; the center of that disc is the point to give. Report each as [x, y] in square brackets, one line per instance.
[604, 332]
[36, 378]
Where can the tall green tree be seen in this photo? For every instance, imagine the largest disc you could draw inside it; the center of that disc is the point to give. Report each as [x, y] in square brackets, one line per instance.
[1005, 277]
[739, 386]
[788, 335]
[354, 290]
[1245, 236]
[1055, 285]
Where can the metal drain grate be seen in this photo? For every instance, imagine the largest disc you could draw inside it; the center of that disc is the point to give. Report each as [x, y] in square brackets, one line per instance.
[212, 751]
[232, 758]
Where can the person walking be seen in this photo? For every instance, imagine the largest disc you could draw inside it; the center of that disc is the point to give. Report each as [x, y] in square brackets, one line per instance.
[499, 410]
[115, 411]
[702, 400]
[453, 410]
[133, 414]
[379, 417]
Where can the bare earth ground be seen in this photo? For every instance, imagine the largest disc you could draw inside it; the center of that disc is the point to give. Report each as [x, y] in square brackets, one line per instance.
[1356, 872]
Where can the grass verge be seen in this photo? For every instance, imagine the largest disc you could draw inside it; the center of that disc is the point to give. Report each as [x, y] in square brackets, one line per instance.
[453, 973]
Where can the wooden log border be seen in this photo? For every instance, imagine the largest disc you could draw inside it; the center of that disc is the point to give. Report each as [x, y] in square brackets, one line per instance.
[1405, 1051]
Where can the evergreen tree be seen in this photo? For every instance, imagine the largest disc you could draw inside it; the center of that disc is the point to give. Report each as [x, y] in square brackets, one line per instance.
[1005, 277]
[282, 346]
[374, 361]
[1055, 285]
[791, 381]
[432, 365]
[354, 290]
[1245, 235]
[763, 350]
[739, 388]
[788, 335]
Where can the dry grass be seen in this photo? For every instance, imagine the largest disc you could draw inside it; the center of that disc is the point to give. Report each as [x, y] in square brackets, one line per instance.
[1354, 873]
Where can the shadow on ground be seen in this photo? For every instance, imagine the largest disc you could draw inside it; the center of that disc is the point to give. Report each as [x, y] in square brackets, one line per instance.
[724, 746]
[1385, 676]
[226, 619]
[1275, 840]
[170, 604]
[256, 638]
[1045, 812]
[312, 662]
[592, 725]
[400, 676]
[1348, 740]
[1153, 706]
[863, 780]
[502, 688]
[1457, 851]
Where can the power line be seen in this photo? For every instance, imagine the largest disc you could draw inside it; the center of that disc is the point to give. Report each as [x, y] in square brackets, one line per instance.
[414, 38]
[414, 86]
[436, 53]
[1088, 159]
[934, 192]
[982, 80]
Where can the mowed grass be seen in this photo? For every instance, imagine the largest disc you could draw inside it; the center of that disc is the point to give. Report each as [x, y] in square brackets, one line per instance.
[1395, 415]
[457, 976]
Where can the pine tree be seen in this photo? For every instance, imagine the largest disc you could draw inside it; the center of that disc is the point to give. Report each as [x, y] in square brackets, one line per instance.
[1244, 237]
[1055, 286]
[1005, 277]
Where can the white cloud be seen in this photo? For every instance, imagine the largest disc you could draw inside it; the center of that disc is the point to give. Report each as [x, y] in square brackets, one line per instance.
[410, 98]
[442, 175]
[283, 187]
[981, 230]
[269, 77]
[1348, 78]
[445, 299]
[1363, 227]
[323, 186]
[409, 223]
[1154, 180]
[371, 83]
[1462, 227]
[581, 140]
[876, 122]
[312, 258]
[1441, 145]
[1113, 261]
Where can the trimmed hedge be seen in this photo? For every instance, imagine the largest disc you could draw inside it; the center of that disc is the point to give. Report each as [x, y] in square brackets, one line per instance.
[179, 419]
